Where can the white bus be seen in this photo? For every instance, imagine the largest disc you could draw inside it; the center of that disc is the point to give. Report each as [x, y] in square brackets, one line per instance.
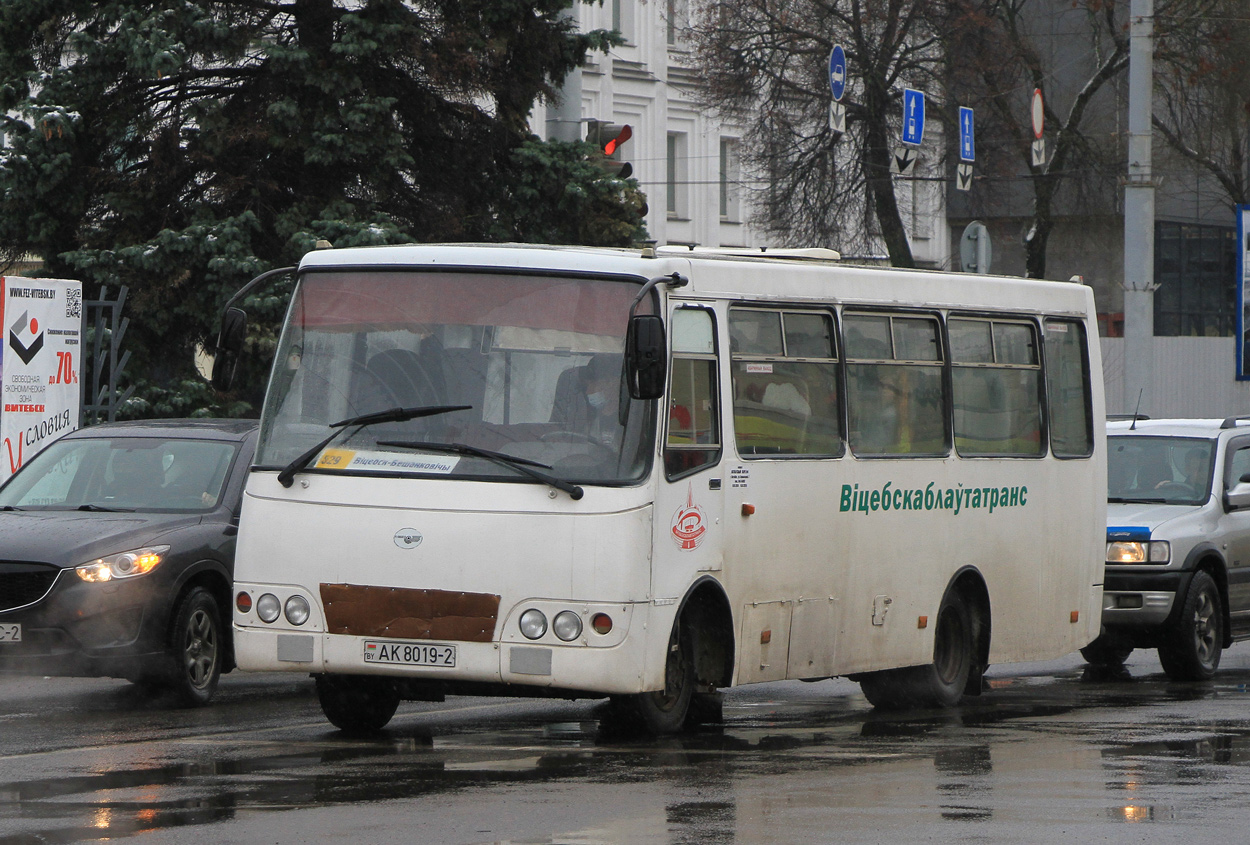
[654, 474]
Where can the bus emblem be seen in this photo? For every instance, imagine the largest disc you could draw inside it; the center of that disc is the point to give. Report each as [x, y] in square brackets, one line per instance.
[408, 538]
[688, 528]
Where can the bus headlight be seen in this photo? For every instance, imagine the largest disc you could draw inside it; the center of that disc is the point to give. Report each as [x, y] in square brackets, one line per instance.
[567, 625]
[296, 610]
[533, 623]
[268, 607]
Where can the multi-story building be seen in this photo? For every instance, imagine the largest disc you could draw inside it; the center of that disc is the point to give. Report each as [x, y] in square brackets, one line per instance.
[685, 161]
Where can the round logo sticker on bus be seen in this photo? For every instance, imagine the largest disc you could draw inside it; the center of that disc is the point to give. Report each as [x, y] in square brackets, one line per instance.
[408, 538]
[688, 525]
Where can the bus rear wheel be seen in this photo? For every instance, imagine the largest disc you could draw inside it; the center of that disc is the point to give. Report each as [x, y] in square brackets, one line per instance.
[359, 705]
[940, 683]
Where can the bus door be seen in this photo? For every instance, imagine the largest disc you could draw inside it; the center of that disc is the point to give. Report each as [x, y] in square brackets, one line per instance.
[689, 506]
[783, 546]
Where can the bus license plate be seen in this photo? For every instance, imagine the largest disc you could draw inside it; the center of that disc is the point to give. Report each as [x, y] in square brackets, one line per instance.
[410, 654]
[11, 633]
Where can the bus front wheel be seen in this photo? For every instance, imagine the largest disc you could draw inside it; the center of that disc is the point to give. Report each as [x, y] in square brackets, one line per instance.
[665, 711]
[357, 705]
[940, 683]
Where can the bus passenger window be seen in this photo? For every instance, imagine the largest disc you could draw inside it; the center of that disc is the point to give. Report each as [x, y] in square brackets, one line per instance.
[693, 440]
[895, 391]
[785, 383]
[996, 383]
[1067, 385]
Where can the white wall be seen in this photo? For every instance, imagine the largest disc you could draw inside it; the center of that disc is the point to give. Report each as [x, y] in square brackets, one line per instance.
[1193, 377]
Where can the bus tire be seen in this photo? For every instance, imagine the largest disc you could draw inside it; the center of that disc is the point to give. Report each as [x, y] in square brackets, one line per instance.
[359, 705]
[665, 711]
[938, 684]
[1196, 640]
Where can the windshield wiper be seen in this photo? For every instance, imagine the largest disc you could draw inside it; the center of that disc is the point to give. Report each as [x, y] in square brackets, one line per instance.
[522, 465]
[92, 507]
[287, 475]
[1155, 500]
[9, 508]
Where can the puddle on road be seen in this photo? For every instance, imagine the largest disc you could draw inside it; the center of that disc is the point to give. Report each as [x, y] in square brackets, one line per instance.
[957, 754]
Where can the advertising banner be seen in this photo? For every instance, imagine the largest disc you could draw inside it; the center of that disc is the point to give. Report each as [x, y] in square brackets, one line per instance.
[39, 361]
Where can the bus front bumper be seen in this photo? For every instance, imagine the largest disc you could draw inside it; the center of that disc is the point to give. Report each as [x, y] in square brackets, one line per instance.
[521, 666]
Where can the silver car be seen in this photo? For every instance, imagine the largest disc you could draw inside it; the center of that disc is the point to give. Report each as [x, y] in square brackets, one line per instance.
[1178, 543]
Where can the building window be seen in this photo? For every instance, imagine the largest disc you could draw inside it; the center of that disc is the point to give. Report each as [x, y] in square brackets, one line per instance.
[1195, 267]
[676, 175]
[675, 21]
[623, 19]
[730, 175]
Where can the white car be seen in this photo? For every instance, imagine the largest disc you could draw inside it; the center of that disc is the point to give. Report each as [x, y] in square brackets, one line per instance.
[1178, 543]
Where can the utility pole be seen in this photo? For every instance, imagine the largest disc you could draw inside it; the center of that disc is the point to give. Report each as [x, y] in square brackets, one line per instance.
[564, 117]
[1139, 214]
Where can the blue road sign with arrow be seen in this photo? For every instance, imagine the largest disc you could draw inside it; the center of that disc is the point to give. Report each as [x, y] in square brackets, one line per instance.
[967, 137]
[837, 72]
[913, 116]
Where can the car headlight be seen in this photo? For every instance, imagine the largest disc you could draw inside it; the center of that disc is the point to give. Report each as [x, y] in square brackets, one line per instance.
[129, 564]
[1132, 551]
[1124, 551]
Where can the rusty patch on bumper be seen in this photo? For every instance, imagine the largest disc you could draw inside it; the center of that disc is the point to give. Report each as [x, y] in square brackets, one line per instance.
[365, 611]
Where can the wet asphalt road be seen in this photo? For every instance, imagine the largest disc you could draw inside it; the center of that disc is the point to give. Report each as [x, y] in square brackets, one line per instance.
[1048, 755]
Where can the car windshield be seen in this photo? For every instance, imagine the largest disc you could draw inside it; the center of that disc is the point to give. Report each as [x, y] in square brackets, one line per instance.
[526, 367]
[1170, 470]
[122, 474]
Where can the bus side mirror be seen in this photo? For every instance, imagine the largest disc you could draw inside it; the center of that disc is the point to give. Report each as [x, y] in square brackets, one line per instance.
[645, 356]
[229, 348]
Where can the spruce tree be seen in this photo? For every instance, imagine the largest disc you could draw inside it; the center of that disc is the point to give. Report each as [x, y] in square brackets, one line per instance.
[183, 147]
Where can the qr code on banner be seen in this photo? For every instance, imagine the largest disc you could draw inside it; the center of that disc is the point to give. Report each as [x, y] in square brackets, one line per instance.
[73, 302]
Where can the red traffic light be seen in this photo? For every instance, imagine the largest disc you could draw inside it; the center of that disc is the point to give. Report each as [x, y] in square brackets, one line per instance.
[611, 146]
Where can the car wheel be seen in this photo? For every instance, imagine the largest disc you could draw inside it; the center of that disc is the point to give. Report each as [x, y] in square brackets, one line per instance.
[1196, 641]
[196, 647]
[359, 705]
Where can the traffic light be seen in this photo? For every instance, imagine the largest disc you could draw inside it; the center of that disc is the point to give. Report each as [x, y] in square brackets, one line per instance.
[609, 138]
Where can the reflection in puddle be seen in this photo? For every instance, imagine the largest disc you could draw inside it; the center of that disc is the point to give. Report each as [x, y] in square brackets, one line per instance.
[808, 756]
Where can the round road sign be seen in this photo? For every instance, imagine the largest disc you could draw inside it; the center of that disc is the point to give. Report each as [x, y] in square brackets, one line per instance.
[1038, 115]
[837, 71]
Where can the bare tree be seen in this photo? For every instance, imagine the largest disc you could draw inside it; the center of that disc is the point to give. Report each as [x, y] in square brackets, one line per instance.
[1202, 89]
[767, 66]
[1011, 48]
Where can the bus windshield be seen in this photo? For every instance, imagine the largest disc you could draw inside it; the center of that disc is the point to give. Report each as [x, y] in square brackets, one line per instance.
[537, 361]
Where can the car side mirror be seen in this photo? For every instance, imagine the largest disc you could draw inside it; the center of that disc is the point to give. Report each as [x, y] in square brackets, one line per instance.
[229, 348]
[1238, 495]
[645, 356]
